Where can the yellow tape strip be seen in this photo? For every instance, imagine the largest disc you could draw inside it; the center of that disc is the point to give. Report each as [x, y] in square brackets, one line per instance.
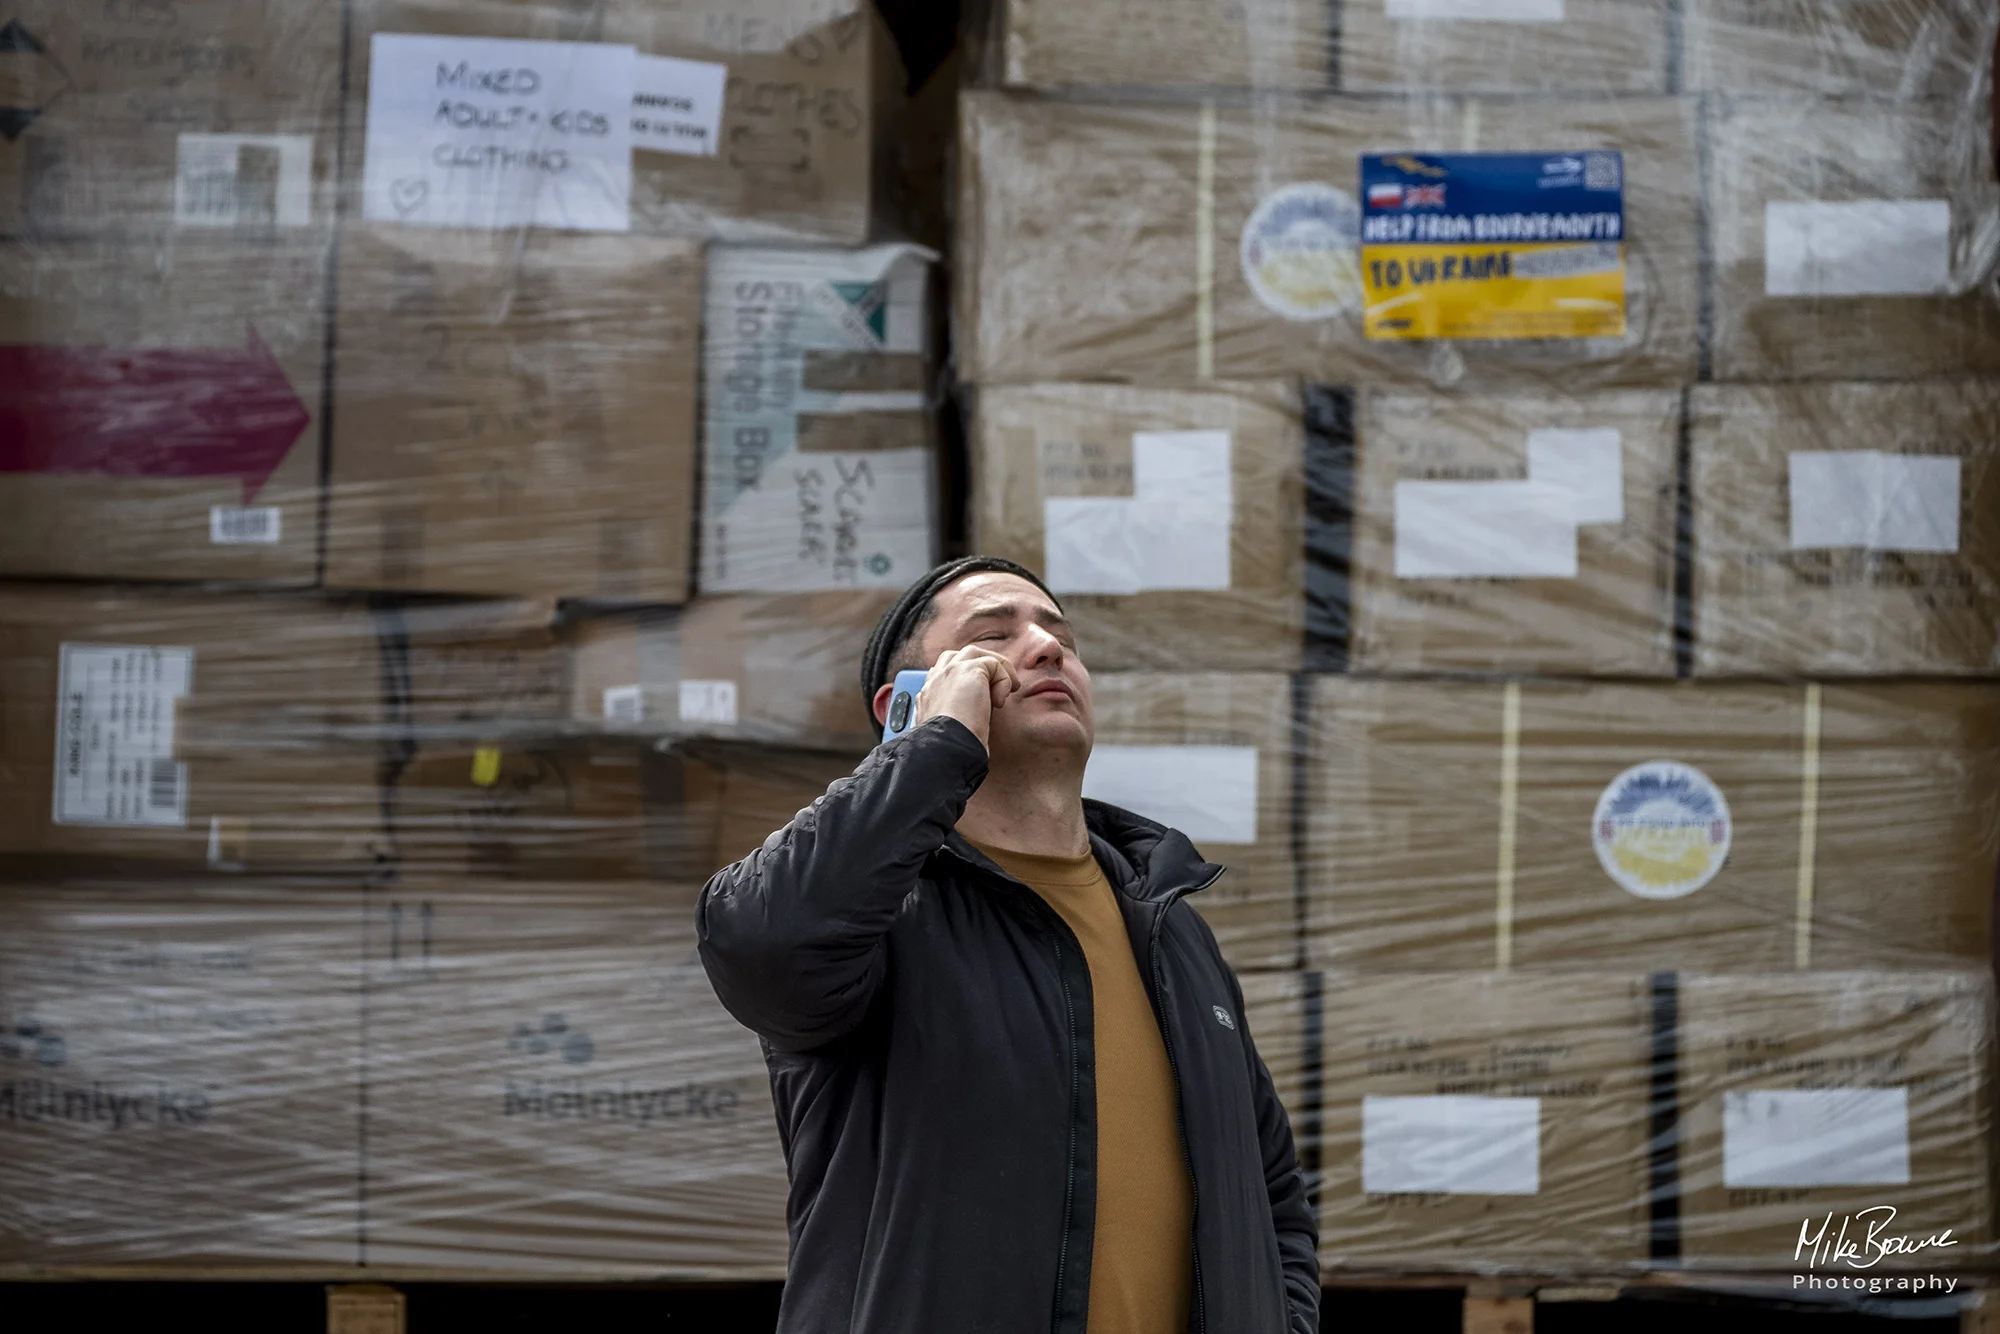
[1204, 245]
[1510, 788]
[1808, 830]
[485, 766]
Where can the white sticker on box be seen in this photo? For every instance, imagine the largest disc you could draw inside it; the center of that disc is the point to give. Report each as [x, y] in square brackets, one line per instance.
[1475, 530]
[1172, 534]
[708, 702]
[1588, 464]
[1208, 793]
[115, 736]
[677, 105]
[1451, 1145]
[492, 132]
[1862, 247]
[1816, 1137]
[243, 180]
[1875, 500]
[244, 525]
[1492, 11]
[625, 704]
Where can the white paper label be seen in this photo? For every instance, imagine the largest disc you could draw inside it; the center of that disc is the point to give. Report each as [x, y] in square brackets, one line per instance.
[1880, 501]
[237, 525]
[677, 105]
[1816, 1137]
[1470, 530]
[624, 704]
[830, 520]
[708, 702]
[490, 132]
[1173, 533]
[1864, 247]
[1208, 793]
[1452, 1145]
[115, 736]
[241, 180]
[1492, 11]
[1588, 464]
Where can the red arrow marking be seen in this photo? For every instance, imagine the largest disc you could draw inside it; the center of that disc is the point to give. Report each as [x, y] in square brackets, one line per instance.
[156, 412]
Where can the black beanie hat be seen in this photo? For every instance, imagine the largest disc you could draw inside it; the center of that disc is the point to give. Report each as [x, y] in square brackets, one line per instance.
[896, 621]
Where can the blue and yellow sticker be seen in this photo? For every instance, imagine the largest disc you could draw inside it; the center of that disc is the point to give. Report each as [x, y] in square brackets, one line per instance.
[1493, 245]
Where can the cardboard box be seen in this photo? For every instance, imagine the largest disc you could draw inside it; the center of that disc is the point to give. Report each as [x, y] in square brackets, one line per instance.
[1900, 49]
[810, 106]
[162, 115]
[514, 414]
[738, 796]
[170, 395]
[819, 450]
[782, 667]
[1485, 1121]
[1845, 529]
[555, 1091]
[1723, 828]
[540, 805]
[177, 1076]
[1183, 43]
[1276, 1005]
[1090, 250]
[1579, 47]
[1874, 210]
[185, 729]
[194, 730]
[1445, 581]
[1210, 755]
[1811, 1105]
[1215, 575]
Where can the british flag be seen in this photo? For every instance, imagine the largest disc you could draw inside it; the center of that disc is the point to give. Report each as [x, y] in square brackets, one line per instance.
[1423, 196]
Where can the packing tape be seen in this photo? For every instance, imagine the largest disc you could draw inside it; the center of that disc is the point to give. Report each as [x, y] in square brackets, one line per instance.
[1510, 787]
[1204, 245]
[1808, 827]
[485, 766]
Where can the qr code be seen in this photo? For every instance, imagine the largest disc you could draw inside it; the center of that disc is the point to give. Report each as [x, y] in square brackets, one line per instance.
[1603, 171]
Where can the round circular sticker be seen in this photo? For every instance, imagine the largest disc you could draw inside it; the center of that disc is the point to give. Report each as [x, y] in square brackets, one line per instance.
[1301, 251]
[1662, 829]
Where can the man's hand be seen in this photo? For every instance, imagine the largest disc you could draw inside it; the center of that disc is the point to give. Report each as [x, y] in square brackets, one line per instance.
[967, 684]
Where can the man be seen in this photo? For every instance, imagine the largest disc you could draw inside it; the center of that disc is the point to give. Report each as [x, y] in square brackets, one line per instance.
[1013, 1077]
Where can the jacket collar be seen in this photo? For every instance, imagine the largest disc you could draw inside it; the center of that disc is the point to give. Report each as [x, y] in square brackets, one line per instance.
[1143, 859]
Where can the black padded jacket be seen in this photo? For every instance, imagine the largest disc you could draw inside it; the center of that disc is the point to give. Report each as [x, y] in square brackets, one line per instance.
[927, 1023]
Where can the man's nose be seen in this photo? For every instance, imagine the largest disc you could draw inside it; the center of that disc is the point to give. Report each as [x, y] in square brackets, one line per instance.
[1041, 649]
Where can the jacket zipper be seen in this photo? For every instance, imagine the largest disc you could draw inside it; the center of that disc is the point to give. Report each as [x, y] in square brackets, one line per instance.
[1174, 1069]
[1069, 1166]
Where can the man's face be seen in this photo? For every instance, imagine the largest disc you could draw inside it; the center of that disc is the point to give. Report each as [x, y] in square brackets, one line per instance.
[1007, 615]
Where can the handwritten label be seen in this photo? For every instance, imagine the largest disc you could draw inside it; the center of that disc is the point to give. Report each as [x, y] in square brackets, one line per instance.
[491, 133]
[677, 105]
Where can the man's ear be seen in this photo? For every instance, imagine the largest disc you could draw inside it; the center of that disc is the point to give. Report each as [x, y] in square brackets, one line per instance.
[883, 694]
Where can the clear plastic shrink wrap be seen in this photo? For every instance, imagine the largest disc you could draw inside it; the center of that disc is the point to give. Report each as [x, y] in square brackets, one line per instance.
[452, 453]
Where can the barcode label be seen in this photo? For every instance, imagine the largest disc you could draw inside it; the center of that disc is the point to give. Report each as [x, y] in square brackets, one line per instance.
[624, 704]
[239, 180]
[115, 736]
[233, 525]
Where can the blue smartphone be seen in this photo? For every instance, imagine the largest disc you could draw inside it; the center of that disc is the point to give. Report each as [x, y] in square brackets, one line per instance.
[903, 704]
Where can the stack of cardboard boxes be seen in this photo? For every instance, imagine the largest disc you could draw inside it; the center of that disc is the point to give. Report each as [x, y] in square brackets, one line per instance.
[1646, 821]
[417, 418]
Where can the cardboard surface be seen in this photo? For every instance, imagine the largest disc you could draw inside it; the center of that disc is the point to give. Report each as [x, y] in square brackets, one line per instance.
[1765, 606]
[1083, 233]
[1922, 1146]
[1613, 618]
[1566, 1055]
[554, 1089]
[1888, 48]
[1409, 866]
[192, 115]
[177, 1074]
[220, 349]
[1790, 153]
[514, 414]
[1035, 443]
